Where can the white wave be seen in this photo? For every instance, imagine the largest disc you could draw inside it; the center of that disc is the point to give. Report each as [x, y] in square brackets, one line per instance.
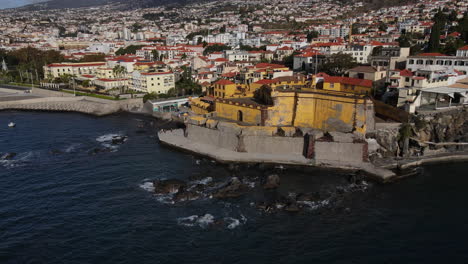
[202, 221]
[72, 148]
[187, 221]
[147, 186]
[243, 219]
[10, 164]
[106, 141]
[108, 137]
[165, 198]
[205, 220]
[233, 222]
[250, 184]
[313, 205]
[204, 181]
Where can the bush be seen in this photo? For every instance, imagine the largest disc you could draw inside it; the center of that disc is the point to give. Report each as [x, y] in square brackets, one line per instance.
[263, 95]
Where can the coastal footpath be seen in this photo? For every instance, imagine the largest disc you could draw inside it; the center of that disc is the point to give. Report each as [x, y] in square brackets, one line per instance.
[46, 100]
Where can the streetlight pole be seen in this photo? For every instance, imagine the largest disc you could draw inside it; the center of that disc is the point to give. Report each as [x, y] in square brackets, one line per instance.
[32, 82]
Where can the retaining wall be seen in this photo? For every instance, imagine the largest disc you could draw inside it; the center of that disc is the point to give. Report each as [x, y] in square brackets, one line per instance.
[231, 142]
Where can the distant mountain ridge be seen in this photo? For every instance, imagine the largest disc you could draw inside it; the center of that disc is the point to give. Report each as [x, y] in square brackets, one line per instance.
[133, 4]
[60, 4]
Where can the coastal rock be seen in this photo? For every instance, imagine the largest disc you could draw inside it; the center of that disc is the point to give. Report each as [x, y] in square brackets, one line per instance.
[8, 156]
[272, 182]
[168, 186]
[292, 207]
[307, 197]
[99, 150]
[117, 140]
[183, 195]
[234, 188]
[55, 151]
[388, 141]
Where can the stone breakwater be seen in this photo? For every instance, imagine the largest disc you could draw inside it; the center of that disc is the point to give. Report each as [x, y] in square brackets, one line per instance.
[229, 142]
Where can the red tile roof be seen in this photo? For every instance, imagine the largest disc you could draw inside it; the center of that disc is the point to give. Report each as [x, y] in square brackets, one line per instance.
[224, 82]
[155, 73]
[265, 81]
[464, 48]
[347, 80]
[406, 73]
[77, 65]
[268, 65]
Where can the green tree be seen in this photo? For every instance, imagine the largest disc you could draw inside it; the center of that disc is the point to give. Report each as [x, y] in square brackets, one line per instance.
[404, 40]
[452, 45]
[94, 57]
[86, 83]
[383, 27]
[311, 35]
[463, 27]
[119, 72]
[263, 95]
[155, 54]
[337, 64]
[128, 50]
[215, 48]
[434, 39]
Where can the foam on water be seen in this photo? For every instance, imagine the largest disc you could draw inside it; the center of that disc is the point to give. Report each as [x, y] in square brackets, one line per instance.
[19, 160]
[207, 220]
[106, 140]
[202, 221]
[233, 223]
[107, 137]
[147, 186]
[72, 147]
[204, 181]
[314, 205]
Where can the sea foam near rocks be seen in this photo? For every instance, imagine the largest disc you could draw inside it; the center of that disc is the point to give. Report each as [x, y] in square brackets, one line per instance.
[202, 221]
[147, 186]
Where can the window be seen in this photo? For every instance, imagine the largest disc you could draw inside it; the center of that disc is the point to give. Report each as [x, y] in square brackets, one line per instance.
[332, 85]
[411, 61]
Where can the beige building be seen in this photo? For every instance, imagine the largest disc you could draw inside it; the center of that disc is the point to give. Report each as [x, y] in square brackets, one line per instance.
[108, 84]
[157, 82]
[55, 70]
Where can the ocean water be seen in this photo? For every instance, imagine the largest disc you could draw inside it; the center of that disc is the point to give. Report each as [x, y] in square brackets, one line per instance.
[62, 201]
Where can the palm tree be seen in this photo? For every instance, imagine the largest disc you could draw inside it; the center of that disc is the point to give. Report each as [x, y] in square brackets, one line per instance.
[119, 71]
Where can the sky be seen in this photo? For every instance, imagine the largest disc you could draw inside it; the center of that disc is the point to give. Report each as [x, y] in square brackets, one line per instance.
[15, 3]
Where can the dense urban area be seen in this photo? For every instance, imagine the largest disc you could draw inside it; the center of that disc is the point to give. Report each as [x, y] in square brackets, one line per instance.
[390, 79]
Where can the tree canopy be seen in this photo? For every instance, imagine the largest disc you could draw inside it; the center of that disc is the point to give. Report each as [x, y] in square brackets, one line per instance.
[263, 95]
[337, 64]
[128, 50]
[215, 48]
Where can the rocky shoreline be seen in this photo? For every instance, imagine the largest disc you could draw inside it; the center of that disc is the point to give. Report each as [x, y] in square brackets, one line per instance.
[263, 191]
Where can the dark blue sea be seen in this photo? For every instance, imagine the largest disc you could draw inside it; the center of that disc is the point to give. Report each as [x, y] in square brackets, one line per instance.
[69, 196]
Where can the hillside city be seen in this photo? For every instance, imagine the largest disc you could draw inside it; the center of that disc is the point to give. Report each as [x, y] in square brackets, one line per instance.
[397, 60]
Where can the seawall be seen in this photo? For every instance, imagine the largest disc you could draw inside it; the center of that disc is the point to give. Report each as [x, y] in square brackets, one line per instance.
[45, 100]
[229, 142]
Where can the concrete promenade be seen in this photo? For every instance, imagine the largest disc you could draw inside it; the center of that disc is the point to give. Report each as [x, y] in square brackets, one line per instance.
[46, 100]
